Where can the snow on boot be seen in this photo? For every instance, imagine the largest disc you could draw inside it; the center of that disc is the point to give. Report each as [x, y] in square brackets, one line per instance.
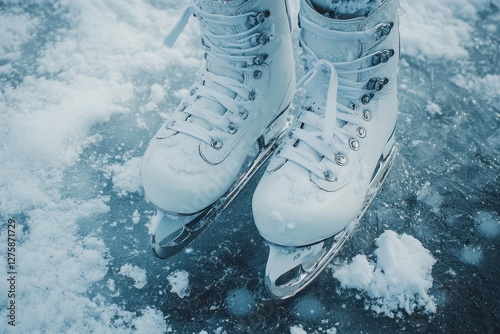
[320, 182]
[228, 125]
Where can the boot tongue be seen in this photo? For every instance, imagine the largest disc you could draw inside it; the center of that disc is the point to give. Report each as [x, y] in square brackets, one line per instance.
[219, 7]
[346, 49]
[343, 50]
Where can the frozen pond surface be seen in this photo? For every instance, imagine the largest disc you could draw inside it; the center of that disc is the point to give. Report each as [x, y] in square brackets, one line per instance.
[85, 84]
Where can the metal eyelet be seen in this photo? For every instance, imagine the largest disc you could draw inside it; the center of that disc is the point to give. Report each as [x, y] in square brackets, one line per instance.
[252, 95]
[377, 84]
[365, 99]
[384, 30]
[386, 55]
[361, 132]
[216, 144]
[262, 16]
[376, 58]
[341, 159]
[262, 39]
[257, 74]
[329, 176]
[243, 113]
[367, 115]
[382, 57]
[259, 60]
[254, 20]
[354, 144]
[192, 91]
[232, 128]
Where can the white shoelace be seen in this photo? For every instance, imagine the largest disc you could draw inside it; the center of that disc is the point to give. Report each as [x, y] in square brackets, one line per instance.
[321, 132]
[223, 51]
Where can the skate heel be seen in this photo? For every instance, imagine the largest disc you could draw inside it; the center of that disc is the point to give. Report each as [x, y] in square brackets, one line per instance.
[290, 269]
[170, 233]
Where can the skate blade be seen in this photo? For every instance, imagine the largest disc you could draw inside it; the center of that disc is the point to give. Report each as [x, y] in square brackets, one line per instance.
[290, 269]
[172, 232]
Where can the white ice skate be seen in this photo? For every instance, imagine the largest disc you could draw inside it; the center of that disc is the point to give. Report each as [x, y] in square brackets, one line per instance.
[229, 124]
[321, 181]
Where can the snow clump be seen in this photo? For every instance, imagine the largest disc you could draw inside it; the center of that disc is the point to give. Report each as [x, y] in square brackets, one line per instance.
[179, 280]
[399, 280]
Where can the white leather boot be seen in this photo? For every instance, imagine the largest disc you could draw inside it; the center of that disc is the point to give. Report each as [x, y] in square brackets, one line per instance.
[320, 182]
[238, 106]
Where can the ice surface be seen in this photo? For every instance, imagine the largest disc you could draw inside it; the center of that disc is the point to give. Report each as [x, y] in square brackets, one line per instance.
[310, 308]
[489, 223]
[84, 85]
[240, 302]
[472, 255]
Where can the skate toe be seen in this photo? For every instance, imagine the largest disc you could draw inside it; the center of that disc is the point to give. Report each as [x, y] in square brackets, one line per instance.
[177, 179]
[292, 211]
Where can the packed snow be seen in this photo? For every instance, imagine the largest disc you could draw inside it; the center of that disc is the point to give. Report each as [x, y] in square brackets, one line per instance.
[399, 280]
[126, 177]
[135, 273]
[298, 329]
[179, 282]
[85, 84]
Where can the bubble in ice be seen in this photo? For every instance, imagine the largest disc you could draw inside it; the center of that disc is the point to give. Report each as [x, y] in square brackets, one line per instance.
[240, 302]
[489, 223]
[310, 308]
[471, 255]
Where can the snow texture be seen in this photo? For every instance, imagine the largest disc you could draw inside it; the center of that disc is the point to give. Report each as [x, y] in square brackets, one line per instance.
[297, 330]
[399, 279]
[135, 273]
[84, 85]
[179, 281]
[126, 177]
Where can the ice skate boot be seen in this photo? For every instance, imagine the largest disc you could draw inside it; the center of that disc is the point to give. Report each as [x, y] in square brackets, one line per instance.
[228, 125]
[322, 179]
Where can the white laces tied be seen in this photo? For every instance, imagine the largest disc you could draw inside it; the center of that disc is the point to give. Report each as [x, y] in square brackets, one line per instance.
[322, 142]
[325, 67]
[223, 50]
[178, 27]
[329, 134]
